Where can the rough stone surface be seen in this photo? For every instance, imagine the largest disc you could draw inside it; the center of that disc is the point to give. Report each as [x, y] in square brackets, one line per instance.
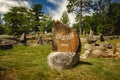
[83, 40]
[66, 46]
[87, 46]
[62, 60]
[107, 45]
[65, 39]
[7, 37]
[86, 54]
[90, 38]
[101, 38]
[118, 47]
[97, 53]
[23, 38]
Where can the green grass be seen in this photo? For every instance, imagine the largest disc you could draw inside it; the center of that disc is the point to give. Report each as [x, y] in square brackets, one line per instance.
[114, 41]
[30, 63]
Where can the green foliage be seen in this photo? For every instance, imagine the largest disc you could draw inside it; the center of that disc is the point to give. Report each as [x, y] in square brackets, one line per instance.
[65, 18]
[37, 9]
[1, 29]
[106, 18]
[76, 5]
[114, 17]
[37, 14]
[76, 27]
[8, 30]
[87, 23]
[107, 22]
[79, 7]
[46, 24]
[101, 6]
[17, 20]
[21, 19]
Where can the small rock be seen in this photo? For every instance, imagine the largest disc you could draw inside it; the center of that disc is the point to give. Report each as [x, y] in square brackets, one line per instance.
[85, 54]
[99, 53]
[101, 37]
[107, 45]
[87, 46]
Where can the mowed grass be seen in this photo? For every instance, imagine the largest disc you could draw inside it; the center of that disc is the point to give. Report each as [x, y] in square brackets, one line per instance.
[30, 63]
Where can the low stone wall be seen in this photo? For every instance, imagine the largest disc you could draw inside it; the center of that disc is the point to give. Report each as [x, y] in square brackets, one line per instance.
[6, 46]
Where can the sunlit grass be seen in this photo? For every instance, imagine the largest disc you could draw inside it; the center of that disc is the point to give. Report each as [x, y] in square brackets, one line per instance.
[114, 41]
[30, 63]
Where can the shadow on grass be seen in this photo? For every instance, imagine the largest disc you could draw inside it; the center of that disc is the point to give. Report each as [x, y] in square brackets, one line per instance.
[83, 63]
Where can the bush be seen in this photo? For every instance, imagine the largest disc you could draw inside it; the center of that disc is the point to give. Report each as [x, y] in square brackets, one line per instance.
[1, 30]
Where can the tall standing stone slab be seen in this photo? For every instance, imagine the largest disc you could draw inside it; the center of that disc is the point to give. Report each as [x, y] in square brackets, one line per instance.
[65, 39]
[66, 47]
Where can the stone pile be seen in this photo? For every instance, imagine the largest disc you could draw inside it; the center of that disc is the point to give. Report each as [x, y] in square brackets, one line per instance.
[105, 49]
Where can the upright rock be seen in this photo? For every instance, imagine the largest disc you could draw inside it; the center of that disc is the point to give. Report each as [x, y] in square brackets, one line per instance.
[118, 47]
[23, 38]
[90, 38]
[66, 47]
[101, 37]
[65, 39]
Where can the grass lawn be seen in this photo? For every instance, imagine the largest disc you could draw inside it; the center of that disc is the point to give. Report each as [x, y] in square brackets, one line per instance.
[30, 63]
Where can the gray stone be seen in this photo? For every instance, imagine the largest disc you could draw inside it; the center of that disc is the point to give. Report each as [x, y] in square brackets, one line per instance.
[98, 52]
[87, 46]
[86, 54]
[23, 38]
[107, 45]
[62, 60]
[83, 40]
[101, 38]
[7, 37]
[118, 47]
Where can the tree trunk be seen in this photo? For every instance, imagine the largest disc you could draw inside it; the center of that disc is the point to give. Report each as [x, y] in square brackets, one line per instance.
[80, 20]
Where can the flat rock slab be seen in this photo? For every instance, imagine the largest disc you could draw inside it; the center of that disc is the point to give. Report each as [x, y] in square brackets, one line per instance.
[6, 46]
[62, 60]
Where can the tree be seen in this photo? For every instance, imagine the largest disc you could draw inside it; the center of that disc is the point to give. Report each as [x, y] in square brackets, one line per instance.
[17, 20]
[114, 17]
[101, 11]
[107, 22]
[76, 27]
[37, 13]
[65, 18]
[46, 23]
[79, 7]
[87, 23]
[1, 29]
[1, 26]
[0, 20]
[21, 19]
